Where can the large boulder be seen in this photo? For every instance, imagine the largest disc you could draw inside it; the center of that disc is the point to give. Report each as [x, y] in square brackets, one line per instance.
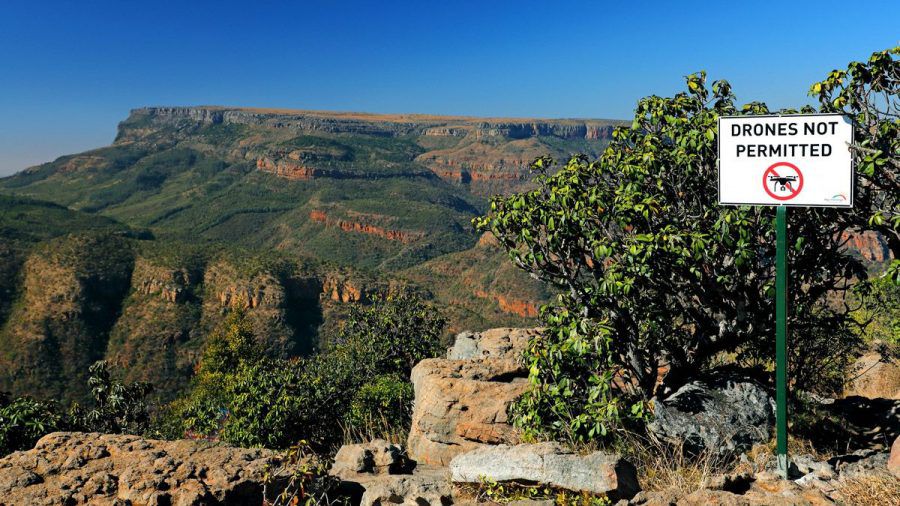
[375, 457]
[873, 376]
[461, 403]
[548, 464]
[379, 472]
[505, 343]
[721, 415]
[425, 486]
[101, 469]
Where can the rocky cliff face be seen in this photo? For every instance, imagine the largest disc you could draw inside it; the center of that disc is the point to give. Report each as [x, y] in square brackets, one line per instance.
[72, 292]
[374, 124]
[364, 227]
[84, 299]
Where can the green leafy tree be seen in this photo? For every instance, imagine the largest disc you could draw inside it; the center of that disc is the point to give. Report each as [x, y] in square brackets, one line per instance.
[656, 276]
[387, 398]
[869, 94]
[23, 421]
[231, 344]
[391, 335]
[117, 407]
[275, 403]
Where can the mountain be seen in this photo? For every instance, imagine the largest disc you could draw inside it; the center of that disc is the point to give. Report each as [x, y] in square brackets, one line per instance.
[134, 252]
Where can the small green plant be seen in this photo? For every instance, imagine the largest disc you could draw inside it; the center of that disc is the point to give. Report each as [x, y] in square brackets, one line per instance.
[23, 421]
[117, 407]
[488, 490]
[301, 478]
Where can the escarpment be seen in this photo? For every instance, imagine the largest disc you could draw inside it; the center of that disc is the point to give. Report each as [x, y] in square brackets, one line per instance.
[348, 225]
[379, 124]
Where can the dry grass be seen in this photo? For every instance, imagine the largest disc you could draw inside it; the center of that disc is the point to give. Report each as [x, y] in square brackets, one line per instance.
[761, 456]
[376, 429]
[662, 466]
[867, 490]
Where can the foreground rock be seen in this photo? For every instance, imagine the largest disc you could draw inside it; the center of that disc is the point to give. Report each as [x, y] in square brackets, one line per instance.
[78, 468]
[721, 415]
[461, 404]
[379, 472]
[548, 464]
[874, 376]
[375, 458]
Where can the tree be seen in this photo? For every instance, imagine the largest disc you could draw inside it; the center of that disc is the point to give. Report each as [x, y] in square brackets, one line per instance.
[392, 334]
[656, 276]
[23, 421]
[247, 399]
[869, 93]
[118, 408]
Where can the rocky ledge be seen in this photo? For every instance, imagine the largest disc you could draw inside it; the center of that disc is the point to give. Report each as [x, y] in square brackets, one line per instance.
[102, 469]
[460, 439]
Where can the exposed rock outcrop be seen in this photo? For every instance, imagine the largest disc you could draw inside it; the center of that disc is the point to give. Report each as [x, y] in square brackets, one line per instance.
[868, 244]
[347, 225]
[721, 415]
[874, 376]
[461, 405]
[377, 124]
[102, 469]
[375, 458]
[548, 464]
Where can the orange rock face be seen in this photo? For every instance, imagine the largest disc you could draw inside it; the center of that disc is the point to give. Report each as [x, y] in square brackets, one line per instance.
[869, 244]
[523, 308]
[365, 228]
[288, 170]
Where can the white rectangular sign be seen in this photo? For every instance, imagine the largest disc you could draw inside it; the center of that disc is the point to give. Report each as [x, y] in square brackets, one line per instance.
[793, 160]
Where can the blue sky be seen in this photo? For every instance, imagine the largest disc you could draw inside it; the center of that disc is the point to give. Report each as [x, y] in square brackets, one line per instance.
[70, 71]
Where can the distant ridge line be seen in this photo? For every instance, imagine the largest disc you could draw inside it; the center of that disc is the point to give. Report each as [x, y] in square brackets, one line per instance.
[375, 117]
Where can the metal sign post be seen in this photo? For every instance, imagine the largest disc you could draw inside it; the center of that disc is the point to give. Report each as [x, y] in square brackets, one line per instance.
[781, 339]
[791, 160]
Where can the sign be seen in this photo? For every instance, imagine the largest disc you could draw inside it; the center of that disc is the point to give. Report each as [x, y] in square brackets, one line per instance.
[793, 160]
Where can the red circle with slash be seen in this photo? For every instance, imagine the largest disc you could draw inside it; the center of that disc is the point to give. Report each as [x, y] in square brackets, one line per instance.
[772, 178]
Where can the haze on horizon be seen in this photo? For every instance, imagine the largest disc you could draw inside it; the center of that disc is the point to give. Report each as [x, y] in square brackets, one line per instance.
[72, 71]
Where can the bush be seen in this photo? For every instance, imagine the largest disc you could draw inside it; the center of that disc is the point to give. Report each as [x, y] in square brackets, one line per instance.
[655, 275]
[392, 335]
[384, 402]
[246, 399]
[117, 408]
[23, 421]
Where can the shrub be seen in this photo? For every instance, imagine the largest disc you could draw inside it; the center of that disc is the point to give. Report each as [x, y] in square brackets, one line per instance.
[392, 335]
[23, 421]
[655, 274]
[117, 407]
[380, 404]
[249, 400]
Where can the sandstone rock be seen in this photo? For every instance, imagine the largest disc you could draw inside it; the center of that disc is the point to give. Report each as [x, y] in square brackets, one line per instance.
[860, 463]
[426, 486]
[893, 463]
[550, 464]
[502, 343]
[875, 376]
[722, 415]
[81, 468]
[375, 457]
[462, 404]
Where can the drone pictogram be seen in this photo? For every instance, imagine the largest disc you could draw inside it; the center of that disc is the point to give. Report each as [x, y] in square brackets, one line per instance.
[785, 179]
